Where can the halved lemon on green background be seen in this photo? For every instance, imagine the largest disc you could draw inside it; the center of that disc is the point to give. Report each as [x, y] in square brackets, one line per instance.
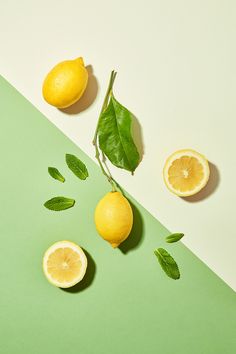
[64, 264]
[186, 172]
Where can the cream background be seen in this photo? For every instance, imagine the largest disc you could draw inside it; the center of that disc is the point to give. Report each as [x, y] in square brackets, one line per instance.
[176, 71]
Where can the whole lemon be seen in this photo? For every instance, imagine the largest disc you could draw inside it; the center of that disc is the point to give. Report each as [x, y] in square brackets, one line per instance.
[65, 83]
[114, 218]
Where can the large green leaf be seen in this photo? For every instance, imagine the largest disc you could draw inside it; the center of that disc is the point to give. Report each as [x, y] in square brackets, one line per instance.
[167, 263]
[115, 138]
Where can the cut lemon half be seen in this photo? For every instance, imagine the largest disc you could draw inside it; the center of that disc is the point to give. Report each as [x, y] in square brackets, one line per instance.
[64, 264]
[186, 172]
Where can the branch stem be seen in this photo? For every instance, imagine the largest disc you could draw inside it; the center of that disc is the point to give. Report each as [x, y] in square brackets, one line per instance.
[95, 138]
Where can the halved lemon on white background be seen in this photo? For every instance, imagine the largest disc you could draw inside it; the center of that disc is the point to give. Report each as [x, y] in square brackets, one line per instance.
[186, 172]
[64, 264]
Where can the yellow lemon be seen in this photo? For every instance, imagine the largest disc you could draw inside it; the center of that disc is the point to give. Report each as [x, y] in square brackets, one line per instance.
[114, 218]
[64, 264]
[65, 83]
[186, 172]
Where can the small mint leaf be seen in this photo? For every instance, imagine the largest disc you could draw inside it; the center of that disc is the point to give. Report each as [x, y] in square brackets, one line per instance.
[167, 263]
[174, 237]
[59, 203]
[77, 166]
[54, 173]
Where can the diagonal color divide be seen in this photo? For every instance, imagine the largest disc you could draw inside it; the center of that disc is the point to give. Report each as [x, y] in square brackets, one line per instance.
[126, 304]
[179, 85]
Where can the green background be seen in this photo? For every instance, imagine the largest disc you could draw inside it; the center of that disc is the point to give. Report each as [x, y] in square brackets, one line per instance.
[126, 304]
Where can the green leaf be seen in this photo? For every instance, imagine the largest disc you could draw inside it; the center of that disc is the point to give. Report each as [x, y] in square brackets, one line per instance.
[167, 263]
[174, 237]
[77, 166]
[59, 203]
[54, 173]
[115, 138]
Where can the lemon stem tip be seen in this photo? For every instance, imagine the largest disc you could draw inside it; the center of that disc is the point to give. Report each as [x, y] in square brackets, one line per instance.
[80, 61]
[115, 245]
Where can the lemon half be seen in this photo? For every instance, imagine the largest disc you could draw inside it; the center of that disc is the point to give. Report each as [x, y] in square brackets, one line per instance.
[186, 172]
[64, 264]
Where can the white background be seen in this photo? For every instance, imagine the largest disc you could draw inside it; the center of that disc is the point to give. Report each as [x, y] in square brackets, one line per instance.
[176, 64]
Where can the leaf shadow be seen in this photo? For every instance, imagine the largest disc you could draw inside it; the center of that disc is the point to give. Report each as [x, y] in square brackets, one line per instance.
[88, 278]
[137, 134]
[136, 236]
[88, 96]
[209, 189]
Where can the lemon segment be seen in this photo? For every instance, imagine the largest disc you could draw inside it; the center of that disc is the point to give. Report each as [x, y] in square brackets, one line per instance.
[186, 172]
[65, 83]
[114, 218]
[64, 264]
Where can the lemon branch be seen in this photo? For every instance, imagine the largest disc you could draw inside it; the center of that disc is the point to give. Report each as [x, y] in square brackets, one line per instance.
[105, 170]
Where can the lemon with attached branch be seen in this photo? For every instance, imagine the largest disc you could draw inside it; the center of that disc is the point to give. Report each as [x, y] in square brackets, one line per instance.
[114, 218]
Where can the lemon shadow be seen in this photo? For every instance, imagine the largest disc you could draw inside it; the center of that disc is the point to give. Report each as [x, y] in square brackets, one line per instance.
[88, 278]
[135, 238]
[88, 96]
[209, 189]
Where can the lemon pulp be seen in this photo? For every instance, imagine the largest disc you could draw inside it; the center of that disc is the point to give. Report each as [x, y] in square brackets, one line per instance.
[186, 172]
[64, 264]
